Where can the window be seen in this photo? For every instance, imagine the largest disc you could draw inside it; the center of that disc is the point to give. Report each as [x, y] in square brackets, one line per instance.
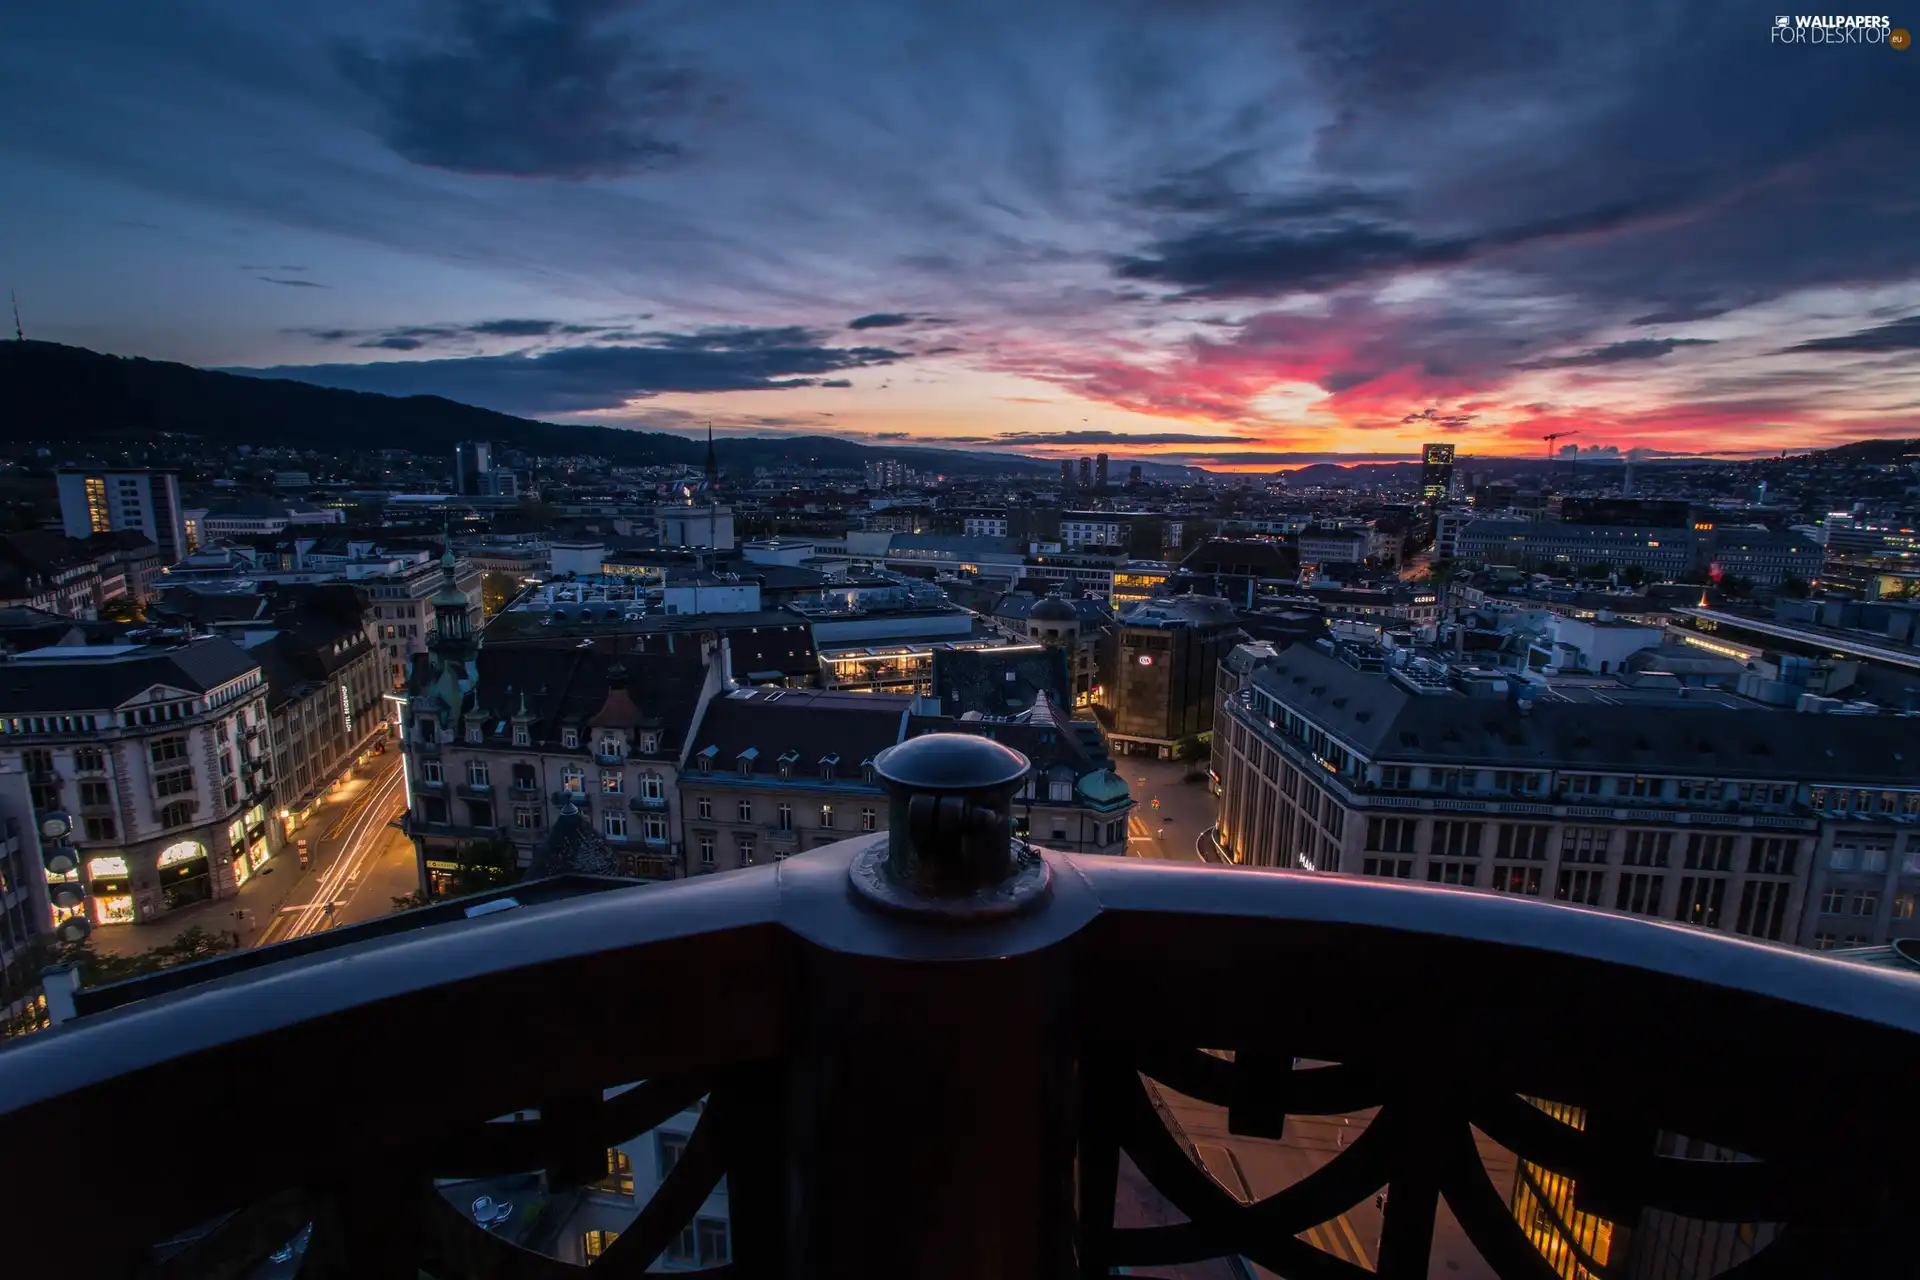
[1391, 835]
[1396, 777]
[619, 1179]
[1639, 892]
[90, 760]
[521, 738]
[1903, 906]
[430, 773]
[653, 829]
[1709, 853]
[1833, 902]
[1647, 848]
[652, 788]
[95, 793]
[826, 815]
[1448, 872]
[649, 743]
[573, 779]
[1060, 789]
[610, 749]
[706, 764]
[706, 850]
[744, 809]
[1771, 855]
[477, 773]
[524, 778]
[1455, 839]
[1394, 868]
[480, 813]
[525, 818]
[1583, 844]
[473, 733]
[1700, 899]
[174, 782]
[1580, 886]
[177, 814]
[1763, 907]
[784, 816]
[1873, 858]
[1522, 841]
[570, 739]
[712, 1235]
[1865, 903]
[436, 808]
[705, 805]
[163, 750]
[615, 825]
[867, 820]
[611, 783]
[746, 850]
[100, 829]
[595, 1243]
[683, 1247]
[1517, 880]
[667, 1149]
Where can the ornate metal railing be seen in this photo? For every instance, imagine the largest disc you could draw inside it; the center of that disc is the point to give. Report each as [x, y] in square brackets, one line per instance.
[927, 1058]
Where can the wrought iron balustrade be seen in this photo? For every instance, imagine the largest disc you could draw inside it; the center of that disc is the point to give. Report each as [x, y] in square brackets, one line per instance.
[926, 1058]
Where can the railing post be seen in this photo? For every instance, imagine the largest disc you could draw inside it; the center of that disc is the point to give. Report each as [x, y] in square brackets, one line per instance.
[931, 1095]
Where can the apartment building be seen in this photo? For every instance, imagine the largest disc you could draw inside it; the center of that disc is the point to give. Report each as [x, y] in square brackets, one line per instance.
[1319, 544]
[162, 756]
[1689, 806]
[769, 772]
[501, 740]
[402, 588]
[26, 911]
[1765, 557]
[105, 501]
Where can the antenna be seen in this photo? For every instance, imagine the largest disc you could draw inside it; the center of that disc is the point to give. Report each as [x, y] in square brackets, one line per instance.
[19, 334]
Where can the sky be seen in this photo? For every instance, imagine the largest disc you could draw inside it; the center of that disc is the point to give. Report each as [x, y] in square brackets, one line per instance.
[1241, 234]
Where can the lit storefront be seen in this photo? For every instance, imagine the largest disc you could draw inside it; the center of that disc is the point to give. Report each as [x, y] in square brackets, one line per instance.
[185, 874]
[110, 885]
[1575, 1245]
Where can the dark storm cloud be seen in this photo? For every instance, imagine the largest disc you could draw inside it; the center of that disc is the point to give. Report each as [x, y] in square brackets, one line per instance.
[1435, 418]
[835, 382]
[1616, 353]
[1259, 253]
[879, 320]
[416, 337]
[1895, 335]
[893, 435]
[587, 378]
[292, 284]
[555, 89]
[391, 344]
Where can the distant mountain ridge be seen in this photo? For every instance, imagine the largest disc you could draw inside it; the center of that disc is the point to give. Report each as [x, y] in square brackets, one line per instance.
[58, 395]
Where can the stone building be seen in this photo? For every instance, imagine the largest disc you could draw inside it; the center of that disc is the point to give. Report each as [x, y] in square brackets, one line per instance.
[162, 756]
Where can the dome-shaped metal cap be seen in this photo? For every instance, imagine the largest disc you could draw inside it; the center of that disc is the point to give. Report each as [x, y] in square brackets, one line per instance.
[950, 762]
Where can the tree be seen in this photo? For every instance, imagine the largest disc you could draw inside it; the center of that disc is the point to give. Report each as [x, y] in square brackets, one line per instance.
[1633, 575]
[484, 865]
[126, 610]
[1596, 570]
[496, 590]
[1795, 587]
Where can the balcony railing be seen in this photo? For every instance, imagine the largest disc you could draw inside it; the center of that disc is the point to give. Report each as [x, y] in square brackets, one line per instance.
[926, 1057]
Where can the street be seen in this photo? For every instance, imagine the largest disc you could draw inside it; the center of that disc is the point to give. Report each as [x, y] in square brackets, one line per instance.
[1174, 830]
[360, 862]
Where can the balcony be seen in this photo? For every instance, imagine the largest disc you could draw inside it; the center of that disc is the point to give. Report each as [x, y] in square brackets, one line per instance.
[925, 1059]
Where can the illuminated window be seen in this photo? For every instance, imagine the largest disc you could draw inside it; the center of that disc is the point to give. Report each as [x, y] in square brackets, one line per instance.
[185, 851]
[595, 1243]
[619, 1179]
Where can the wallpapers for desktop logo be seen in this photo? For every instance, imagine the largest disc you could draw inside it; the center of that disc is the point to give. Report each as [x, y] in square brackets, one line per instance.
[1805, 28]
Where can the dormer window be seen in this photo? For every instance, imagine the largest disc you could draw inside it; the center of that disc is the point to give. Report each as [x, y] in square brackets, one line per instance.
[705, 759]
[649, 743]
[570, 739]
[866, 770]
[827, 765]
[473, 733]
[746, 759]
[610, 748]
[787, 760]
[428, 731]
[521, 737]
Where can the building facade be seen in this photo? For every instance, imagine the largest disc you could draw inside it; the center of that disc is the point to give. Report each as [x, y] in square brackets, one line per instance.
[1714, 815]
[163, 758]
[106, 501]
[1165, 658]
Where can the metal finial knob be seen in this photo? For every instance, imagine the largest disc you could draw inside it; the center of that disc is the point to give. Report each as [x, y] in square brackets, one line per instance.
[950, 848]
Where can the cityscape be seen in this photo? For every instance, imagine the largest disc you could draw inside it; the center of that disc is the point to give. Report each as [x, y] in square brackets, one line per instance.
[1081, 644]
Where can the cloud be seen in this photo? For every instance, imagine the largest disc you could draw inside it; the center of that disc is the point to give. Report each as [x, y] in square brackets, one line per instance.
[1136, 439]
[293, 284]
[893, 435]
[1895, 335]
[391, 343]
[585, 379]
[1438, 420]
[1616, 353]
[879, 320]
[416, 337]
[835, 382]
[555, 89]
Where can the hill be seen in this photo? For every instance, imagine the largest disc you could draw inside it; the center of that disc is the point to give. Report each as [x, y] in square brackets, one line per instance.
[59, 396]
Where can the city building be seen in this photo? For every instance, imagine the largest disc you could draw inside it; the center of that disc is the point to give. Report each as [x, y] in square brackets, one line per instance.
[1681, 804]
[56, 574]
[1322, 545]
[1166, 657]
[402, 589]
[601, 1210]
[1133, 474]
[1100, 472]
[501, 740]
[105, 501]
[472, 463]
[1080, 529]
[162, 755]
[997, 682]
[1765, 557]
[1076, 626]
[1086, 473]
[257, 516]
[1066, 475]
[1073, 798]
[706, 526]
[1436, 472]
[985, 524]
[26, 910]
[1664, 553]
[771, 772]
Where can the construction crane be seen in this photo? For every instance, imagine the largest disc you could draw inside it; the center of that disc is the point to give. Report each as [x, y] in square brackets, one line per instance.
[1550, 437]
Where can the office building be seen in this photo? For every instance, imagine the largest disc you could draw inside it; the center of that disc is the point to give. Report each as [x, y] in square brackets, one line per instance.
[1100, 472]
[1086, 473]
[163, 757]
[147, 502]
[1688, 805]
[472, 462]
[1321, 545]
[1663, 553]
[1166, 657]
[1066, 474]
[1764, 557]
[1436, 472]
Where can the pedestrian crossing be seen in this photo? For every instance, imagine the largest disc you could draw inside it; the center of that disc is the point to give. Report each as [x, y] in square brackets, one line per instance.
[1137, 828]
[1338, 1238]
